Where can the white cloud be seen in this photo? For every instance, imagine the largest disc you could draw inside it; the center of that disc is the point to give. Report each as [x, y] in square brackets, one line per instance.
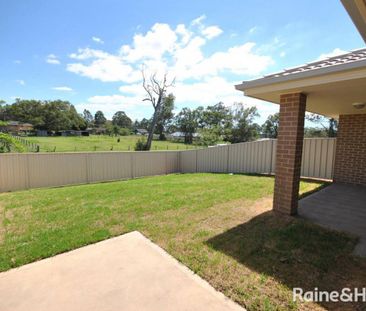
[179, 51]
[52, 59]
[253, 29]
[62, 88]
[21, 82]
[239, 60]
[98, 40]
[103, 66]
[17, 61]
[109, 104]
[198, 20]
[202, 78]
[153, 45]
[335, 52]
[211, 32]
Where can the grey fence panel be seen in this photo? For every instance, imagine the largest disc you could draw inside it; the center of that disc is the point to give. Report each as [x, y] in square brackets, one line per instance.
[155, 163]
[109, 166]
[213, 159]
[188, 161]
[56, 169]
[318, 157]
[13, 172]
[34, 170]
[260, 157]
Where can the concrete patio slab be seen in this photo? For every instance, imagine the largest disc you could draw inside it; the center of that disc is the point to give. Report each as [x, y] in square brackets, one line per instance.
[128, 272]
[339, 207]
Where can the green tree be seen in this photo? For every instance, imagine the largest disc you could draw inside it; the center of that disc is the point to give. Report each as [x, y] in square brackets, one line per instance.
[187, 121]
[88, 117]
[143, 124]
[270, 126]
[330, 125]
[208, 137]
[218, 118]
[244, 129]
[310, 132]
[112, 129]
[99, 118]
[166, 116]
[121, 119]
[2, 110]
[31, 111]
[45, 115]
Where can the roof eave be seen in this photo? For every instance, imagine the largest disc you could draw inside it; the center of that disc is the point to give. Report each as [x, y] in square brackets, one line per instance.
[356, 9]
[301, 75]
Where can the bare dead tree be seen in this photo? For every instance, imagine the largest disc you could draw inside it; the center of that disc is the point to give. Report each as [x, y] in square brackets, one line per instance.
[156, 91]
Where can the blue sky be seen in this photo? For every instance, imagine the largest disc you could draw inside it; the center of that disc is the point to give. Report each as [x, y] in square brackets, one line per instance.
[91, 52]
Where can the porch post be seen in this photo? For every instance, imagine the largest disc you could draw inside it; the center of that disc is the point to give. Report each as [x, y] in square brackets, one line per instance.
[289, 152]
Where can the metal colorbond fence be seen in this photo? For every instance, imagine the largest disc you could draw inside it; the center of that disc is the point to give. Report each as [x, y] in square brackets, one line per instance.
[35, 170]
[260, 157]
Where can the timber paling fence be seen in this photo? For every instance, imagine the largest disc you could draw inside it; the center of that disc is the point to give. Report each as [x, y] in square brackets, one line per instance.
[20, 171]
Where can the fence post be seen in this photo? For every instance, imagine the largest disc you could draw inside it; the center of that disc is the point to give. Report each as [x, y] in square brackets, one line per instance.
[271, 165]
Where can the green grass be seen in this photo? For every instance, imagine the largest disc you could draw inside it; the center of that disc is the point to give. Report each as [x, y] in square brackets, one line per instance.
[99, 143]
[219, 225]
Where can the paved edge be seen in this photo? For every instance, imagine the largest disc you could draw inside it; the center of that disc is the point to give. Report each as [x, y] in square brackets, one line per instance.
[195, 277]
[188, 272]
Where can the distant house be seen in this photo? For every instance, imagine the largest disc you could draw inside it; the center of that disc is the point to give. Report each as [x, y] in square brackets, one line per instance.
[97, 130]
[181, 135]
[16, 127]
[141, 132]
[42, 133]
[66, 133]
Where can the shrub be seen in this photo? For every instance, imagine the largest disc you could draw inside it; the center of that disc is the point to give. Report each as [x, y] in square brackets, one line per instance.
[124, 132]
[9, 144]
[141, 144]
[208, 137]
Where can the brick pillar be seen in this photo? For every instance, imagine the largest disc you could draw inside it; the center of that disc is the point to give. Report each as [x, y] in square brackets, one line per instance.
[289, 152]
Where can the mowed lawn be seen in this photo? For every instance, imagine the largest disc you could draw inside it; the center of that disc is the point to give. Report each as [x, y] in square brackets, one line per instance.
[99, 143]
[219, 225]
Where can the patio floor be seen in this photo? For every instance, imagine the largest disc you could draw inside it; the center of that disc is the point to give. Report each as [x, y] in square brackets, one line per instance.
[340, 207]
[128, 272]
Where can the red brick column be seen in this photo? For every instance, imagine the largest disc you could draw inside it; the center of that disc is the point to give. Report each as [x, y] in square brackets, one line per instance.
[289, 152]
[350, 161]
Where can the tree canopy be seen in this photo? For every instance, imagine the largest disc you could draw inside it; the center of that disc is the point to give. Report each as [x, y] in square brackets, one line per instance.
[99, 118]
[270, 126]
[45, 115]
[121, 119]
[165, 116]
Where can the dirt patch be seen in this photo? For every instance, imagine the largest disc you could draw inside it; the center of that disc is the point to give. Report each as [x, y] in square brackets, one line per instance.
[234, 213]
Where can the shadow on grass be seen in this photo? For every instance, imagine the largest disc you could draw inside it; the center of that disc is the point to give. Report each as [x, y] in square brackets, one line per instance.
[295, 253]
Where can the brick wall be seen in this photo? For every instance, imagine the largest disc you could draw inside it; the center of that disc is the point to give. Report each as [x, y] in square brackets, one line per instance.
[350, 163]
[289, 149]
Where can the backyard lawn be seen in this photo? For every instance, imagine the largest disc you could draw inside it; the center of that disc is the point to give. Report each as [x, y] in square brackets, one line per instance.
[219, 225]
[99, 143]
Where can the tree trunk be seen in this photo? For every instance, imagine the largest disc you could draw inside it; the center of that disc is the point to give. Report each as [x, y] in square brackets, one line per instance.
[152, 128]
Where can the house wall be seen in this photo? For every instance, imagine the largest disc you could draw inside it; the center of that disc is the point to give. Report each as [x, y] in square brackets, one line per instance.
[350, 162]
